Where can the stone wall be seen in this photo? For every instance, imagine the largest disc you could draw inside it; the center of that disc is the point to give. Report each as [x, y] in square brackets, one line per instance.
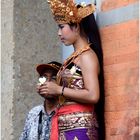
[30, 37]
[7, 72]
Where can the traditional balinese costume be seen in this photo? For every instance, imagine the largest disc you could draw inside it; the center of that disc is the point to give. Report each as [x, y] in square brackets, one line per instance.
[73, 120]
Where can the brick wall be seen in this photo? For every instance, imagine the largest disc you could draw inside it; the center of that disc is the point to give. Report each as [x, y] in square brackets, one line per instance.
[112, 4]
[120, 46]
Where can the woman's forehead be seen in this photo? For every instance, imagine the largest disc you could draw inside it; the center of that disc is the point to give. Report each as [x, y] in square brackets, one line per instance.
[65, 24]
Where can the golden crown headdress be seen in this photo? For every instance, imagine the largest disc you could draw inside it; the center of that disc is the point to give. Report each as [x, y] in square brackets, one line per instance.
[66, 11]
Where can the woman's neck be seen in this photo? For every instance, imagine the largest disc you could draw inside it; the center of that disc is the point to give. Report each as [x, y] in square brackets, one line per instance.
[80, 43]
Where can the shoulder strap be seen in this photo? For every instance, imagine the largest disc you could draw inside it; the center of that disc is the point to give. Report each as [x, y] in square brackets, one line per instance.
[84, 50]
[40, 125]
[79, 53]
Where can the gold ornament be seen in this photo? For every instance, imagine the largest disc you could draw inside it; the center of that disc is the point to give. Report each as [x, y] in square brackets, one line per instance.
[62, 100]
[66, 11]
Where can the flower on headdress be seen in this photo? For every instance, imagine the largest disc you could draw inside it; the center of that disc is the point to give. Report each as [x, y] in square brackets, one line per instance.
[62, 5]
[83, 4]
[71, 13]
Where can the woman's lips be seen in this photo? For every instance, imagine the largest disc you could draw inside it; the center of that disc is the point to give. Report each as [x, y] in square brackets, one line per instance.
[62, 39]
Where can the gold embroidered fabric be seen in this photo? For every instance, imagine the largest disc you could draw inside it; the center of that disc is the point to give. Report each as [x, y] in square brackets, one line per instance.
[77, 119]
[72, 80]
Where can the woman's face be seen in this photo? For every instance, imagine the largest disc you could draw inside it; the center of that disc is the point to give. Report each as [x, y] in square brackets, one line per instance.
[67, 35]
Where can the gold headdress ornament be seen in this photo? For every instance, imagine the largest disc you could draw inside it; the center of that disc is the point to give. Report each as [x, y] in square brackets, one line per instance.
[66, 11]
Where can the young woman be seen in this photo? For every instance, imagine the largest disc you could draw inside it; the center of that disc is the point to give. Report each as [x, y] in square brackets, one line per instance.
[80, 79]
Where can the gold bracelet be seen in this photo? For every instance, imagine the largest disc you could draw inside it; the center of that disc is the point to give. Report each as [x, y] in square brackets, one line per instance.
[61, 97]
[62, 93]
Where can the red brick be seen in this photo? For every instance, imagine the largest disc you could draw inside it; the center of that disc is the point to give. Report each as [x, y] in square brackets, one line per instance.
[121, 137]
[121, 78]
[120, 125]
[122, 102]
[113, 4]
[121, 58]
[111, 118]
[120, 39]
[120, 48]
[120, 31]
[132, 64]
[121, 90]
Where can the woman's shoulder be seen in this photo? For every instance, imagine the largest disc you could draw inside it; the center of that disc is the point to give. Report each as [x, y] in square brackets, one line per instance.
[89, 60]
[89, 55]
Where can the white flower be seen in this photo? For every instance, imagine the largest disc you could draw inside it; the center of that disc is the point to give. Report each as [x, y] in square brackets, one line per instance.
[73, 70]
[42, 80]
[71, 13]
[83, 4]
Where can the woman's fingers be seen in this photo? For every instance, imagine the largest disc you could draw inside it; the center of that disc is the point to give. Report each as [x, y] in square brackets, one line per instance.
[47, 88]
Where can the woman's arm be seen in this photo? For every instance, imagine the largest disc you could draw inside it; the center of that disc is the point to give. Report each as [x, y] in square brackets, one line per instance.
[89, 65]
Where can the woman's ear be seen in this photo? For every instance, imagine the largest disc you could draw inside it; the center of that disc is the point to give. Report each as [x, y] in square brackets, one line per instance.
[77, 28]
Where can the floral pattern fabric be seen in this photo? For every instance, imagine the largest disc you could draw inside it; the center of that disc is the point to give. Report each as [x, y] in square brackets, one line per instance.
[30, 131]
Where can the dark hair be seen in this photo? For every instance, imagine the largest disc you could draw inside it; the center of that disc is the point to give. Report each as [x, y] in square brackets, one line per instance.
[89, 29]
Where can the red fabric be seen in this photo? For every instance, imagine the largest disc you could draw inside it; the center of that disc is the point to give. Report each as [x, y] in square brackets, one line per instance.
[66, 110]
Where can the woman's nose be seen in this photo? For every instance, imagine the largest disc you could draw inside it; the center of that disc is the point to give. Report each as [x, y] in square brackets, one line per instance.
[59, 32]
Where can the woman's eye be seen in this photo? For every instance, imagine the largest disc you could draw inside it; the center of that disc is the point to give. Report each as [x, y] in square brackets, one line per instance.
[60, 26]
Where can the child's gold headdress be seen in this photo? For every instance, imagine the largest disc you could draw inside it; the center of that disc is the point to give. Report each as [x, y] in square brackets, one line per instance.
[66, 11]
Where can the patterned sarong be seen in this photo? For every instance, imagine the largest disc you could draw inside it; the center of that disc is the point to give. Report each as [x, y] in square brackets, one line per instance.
[74, 122]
